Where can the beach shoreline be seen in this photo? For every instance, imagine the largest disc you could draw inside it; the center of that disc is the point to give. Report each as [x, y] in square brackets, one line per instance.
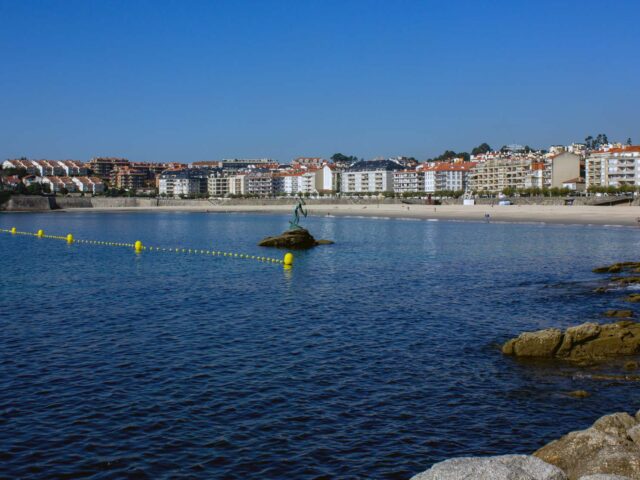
[628, 216]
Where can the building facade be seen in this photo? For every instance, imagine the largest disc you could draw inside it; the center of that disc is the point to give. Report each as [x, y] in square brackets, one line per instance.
[444, 176]
[613, 167]
[408, 181]
[217, 183]
[374, 176]
[102, 166]
[186, 182]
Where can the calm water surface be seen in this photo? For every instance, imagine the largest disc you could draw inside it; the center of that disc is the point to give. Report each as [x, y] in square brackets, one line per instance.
[372, 358]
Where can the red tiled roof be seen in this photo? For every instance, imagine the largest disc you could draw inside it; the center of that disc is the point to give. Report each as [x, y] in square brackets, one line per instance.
[627, 149]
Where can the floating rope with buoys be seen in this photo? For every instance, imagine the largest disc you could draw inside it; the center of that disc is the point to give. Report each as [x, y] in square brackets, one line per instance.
[138, 247]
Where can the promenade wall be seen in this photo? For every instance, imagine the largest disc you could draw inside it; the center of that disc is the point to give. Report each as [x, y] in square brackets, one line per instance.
[27, 203]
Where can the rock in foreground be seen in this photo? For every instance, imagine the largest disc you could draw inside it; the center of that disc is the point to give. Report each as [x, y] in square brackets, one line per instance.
[585, 342]
[610, 446]
[299, 239]
[505, 467]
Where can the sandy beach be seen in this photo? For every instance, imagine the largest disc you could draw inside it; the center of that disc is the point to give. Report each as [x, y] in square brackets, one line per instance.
[582, 215]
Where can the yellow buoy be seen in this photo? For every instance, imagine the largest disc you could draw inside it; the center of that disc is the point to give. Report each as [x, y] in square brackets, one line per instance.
[13, 230]
[40, 234]
[288, 258]
[138, 246]
[69, 238]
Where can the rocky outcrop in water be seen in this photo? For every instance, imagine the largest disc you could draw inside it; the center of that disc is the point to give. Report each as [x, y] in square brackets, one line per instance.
[610, 446]
[608, 450]
[588, 341]
[619, 267]
[505, 467]
[618, 313]
[298, 239]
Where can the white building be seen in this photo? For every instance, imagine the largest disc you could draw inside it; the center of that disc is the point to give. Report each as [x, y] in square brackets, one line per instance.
[184, 182]
[30, 166]
[375, 176]
[444, 176]
[218, 184]
[89, 184]
[59, 184]
[615, 167]
[237, 185]
[408, 181]
[302, 183]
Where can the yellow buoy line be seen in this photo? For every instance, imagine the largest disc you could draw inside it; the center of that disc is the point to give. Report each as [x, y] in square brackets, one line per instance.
[138, 247]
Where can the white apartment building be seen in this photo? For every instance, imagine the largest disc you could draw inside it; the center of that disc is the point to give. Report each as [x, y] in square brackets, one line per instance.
[447, 176]
[314, 180]
[217, 184]
[88, 184]
[375, 176]
[186, 182]
[237, 185]
[58, 184]
[295, 183]
[614, 167]
[30, 166]
[408, 181]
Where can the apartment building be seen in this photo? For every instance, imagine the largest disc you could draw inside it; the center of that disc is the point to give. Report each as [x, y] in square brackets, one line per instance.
[373, 176]
[518, 172]
[262, 184]
[73, 168]
[613, 166]
[92, 185]
[217, 183]
[187, 182]
[60, 184]
[299, 182]
[129, 179]
[443, 176]
[31, 167]
[237, 185]
[102, 166]
[408, 181]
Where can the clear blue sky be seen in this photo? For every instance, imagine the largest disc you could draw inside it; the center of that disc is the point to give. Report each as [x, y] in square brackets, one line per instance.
[197, 80]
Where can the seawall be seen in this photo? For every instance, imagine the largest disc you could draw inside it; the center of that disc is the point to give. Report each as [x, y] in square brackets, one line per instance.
[27, 203]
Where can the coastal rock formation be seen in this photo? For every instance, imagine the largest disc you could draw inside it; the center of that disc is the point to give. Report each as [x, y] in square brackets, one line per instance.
[298, 239]
[633, 298]
[579, 394]
[618, 313]
[619, 267]
[505, 467]
[588, 341]
[608, 450]
[610, 446]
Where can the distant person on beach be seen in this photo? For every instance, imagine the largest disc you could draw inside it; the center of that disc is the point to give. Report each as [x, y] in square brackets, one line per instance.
[487, 217]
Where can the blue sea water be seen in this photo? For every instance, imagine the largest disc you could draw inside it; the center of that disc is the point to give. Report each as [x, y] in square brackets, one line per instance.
[371, 358]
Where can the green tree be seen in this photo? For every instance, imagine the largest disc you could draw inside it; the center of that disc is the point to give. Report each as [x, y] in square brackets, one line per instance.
[480, 149]
[340, 158]
[34, 189]
[589, 142]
